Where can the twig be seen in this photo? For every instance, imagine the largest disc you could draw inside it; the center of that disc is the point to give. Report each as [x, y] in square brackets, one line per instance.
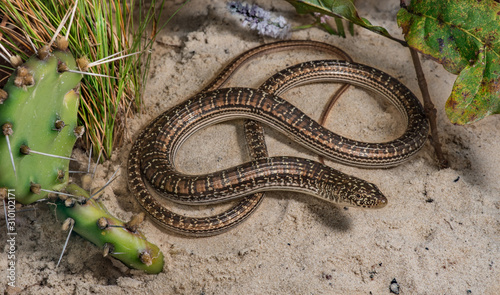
[329, 107]
[333, 99]
[429, 109]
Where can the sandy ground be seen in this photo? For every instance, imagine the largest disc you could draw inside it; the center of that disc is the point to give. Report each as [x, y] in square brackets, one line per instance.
[438, 235]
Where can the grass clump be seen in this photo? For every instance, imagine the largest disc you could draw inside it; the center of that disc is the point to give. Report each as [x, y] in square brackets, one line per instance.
[100, 29]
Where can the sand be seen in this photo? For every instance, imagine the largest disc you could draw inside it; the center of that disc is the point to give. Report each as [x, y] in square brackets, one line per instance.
[438, 235]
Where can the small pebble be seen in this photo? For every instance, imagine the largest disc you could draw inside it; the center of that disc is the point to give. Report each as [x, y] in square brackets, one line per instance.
[394, 287]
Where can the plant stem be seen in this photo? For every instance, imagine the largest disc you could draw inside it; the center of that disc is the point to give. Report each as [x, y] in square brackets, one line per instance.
[429, 109]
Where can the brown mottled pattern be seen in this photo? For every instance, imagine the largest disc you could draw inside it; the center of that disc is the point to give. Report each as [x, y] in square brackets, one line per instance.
[152, 155]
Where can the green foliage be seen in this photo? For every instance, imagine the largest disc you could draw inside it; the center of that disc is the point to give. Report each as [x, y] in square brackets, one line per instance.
[33, 111]
[338, 8]
[93, 222]
[464, 36]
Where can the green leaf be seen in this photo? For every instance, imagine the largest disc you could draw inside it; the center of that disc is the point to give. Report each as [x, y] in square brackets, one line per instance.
[464, 36]
[338, 8]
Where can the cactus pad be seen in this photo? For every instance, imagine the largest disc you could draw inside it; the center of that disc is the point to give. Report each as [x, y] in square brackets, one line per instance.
[93, 222]
[41, 108]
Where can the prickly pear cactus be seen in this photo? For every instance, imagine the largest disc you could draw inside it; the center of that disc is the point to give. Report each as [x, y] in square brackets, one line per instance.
[38, 118]
[39, 115]
[118, 239]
